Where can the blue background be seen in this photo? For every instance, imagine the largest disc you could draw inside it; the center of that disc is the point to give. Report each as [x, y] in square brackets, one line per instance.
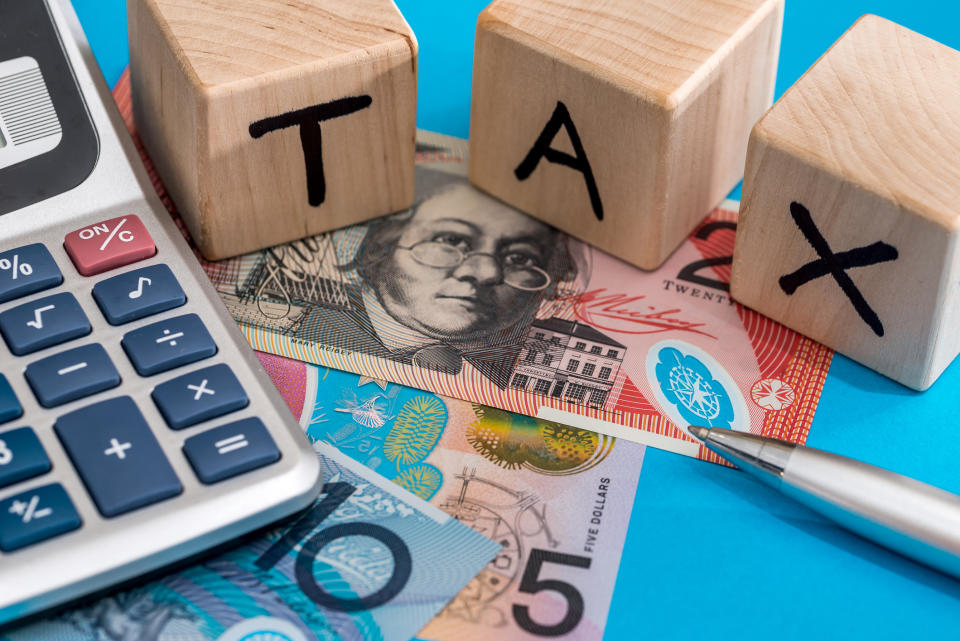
[710, 554]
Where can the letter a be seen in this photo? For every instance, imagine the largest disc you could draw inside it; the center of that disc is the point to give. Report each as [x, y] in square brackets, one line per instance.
[579, 162]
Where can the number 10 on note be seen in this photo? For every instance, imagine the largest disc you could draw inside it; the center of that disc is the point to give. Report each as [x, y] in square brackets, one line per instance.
[312, 544]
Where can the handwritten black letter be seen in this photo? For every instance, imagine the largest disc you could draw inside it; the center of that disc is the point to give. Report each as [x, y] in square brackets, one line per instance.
[542, 149]
[836, 265]
[311, 138]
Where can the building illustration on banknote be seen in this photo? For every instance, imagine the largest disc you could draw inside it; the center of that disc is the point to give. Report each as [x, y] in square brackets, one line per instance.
[464, 296]
[555, 357]
[570, 360]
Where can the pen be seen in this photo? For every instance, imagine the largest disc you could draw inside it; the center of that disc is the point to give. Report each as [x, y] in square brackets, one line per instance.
[918, 520]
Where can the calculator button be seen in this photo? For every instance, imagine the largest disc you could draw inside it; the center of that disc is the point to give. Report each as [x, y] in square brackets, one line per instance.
[109, 244]
[21, 456]
[70, 375]
[42, 323]
[171, 343]
[137, 294]
[10, 408]
[35, 516]
[26, 270]
[199, 396]
[117, 456]
[230, 450]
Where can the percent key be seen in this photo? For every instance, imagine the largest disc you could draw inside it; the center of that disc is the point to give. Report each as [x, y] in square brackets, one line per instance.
[26, 270]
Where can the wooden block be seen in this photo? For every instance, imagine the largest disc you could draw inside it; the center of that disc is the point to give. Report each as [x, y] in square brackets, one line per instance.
[271, 121]
[622, 122]
[849, 223]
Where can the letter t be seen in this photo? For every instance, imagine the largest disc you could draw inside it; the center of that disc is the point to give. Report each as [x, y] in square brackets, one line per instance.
[311, 138]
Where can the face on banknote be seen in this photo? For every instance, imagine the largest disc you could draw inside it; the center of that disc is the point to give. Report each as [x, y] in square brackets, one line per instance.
[466, 297]
[368, 560]
[557, 499]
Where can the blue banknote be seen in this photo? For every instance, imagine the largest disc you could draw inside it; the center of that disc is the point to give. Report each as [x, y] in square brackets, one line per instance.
[368, 561]
[557, 498]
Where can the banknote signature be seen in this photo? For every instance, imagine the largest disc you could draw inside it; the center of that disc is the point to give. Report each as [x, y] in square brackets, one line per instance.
[625, 314]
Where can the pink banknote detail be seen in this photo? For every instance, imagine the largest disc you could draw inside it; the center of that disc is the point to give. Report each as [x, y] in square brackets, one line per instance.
[579, 337]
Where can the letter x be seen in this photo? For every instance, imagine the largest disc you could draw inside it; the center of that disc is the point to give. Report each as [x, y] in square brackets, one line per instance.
[837, 265]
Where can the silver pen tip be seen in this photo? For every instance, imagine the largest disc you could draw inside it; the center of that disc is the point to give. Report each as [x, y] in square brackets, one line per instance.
[699, 432]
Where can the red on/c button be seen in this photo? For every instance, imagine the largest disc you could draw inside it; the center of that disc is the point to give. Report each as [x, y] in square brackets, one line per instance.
[109, 244]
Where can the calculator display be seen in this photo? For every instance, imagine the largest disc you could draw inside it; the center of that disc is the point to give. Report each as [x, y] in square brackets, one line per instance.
[48, 144]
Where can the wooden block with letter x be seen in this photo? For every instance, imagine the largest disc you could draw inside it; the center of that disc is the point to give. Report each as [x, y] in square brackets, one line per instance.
[849, 225]
[271, 121]
[622, 122]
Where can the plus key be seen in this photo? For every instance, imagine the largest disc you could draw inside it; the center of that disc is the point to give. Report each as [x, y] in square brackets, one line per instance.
[109, 244]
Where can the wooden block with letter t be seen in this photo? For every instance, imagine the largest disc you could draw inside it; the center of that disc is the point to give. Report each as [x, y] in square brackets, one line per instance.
[622, 122]
[270, 121]
[849, 225]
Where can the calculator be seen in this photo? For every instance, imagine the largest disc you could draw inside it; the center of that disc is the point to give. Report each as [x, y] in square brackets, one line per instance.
[137, 427]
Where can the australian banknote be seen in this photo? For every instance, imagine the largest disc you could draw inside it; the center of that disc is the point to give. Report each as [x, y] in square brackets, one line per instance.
[466, 297]
[557, 499]
[368, 561]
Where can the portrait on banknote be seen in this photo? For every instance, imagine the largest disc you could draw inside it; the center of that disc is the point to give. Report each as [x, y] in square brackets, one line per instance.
[457, 281]
[466, 297]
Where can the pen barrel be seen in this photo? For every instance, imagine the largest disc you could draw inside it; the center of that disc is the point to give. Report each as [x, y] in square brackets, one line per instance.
[918, 520]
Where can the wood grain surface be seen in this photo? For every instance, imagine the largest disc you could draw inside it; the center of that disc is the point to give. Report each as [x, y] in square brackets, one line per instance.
[662, 93]
[203, 71]
[867, 141]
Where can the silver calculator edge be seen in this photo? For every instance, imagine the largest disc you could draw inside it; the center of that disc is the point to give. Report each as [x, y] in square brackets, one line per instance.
[105, 552]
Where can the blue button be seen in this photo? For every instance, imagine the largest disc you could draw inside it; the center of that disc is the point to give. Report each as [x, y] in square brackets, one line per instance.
[200, 396]
[44, 322]
[9, 405]
[137, 294]
[26, 270]
[35, 516]
[117, 456]
[21, 456]
[70, 375]
[168, 344]
[230, 450]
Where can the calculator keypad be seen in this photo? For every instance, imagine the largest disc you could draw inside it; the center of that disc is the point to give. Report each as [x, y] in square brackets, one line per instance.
[109, 244]
[36, 515]
[138, 294]
[70, 375]
[26, 270]
[168, 344]
[229, 450]
[117, 455]
[21, 456]
[43, 323]
[109, 442]
[199, 396]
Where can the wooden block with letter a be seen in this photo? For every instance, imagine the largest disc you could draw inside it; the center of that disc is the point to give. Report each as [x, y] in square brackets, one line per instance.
[849, 224]
[271, 121]
[622, 122]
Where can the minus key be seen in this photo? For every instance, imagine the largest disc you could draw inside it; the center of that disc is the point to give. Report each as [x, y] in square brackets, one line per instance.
[70, 375]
